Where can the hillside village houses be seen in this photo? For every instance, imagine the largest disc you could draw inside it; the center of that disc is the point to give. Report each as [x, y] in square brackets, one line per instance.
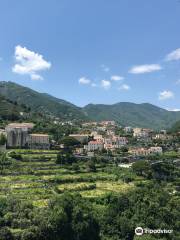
[145, 152]
[141, 132]
[109, 142]
[163, 137]
[101, 135]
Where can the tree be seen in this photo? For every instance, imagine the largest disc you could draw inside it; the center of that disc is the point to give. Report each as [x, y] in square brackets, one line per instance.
[15, 155]
[141, 168]
[67, 217]
[2, 139]
[66, 158]
[75, 167]
[91, 167]
[70, 141]
[163, 170]
[124, 149]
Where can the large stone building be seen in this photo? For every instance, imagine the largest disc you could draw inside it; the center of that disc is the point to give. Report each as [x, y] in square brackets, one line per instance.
[17, 134]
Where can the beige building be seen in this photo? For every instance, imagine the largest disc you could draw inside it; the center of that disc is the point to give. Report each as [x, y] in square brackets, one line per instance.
[38, 141]
[145, 152]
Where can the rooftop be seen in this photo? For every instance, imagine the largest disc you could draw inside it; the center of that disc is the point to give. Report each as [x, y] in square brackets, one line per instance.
[39, 135]
[20, 125]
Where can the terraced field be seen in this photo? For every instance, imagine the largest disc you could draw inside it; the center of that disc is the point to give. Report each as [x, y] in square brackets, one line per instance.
[36, 177]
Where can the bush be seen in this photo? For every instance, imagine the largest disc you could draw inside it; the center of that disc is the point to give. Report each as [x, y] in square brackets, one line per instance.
[5, 234]
[15, 155]
[91, 167]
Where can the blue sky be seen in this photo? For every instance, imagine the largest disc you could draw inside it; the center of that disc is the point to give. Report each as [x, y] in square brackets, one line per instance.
[93, 51]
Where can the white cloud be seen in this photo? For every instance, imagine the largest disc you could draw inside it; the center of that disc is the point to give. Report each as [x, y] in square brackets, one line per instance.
[35, 76]
[29, 62]
[165, 95]
[178, 82]
[105, 68]
[124, 87]
[174, 109]
[146, 68]
[174, 55]
[116, 78]
[93, 85]
[106, 84]
[84, 80]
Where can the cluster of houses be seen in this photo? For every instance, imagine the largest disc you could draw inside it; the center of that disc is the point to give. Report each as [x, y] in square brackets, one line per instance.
[145, 151]
[109, 141]
[99, 142]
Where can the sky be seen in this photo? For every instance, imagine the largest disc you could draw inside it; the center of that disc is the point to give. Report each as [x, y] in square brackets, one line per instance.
[93, 51]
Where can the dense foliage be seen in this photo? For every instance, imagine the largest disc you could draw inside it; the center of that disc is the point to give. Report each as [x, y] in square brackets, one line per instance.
[176, 127]
[40, 102]
[151, 199]
[142, 115]
[69, 216]
[10, 110]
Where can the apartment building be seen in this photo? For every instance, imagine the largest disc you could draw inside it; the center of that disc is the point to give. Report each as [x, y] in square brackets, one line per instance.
[94, 145]
[115, 142]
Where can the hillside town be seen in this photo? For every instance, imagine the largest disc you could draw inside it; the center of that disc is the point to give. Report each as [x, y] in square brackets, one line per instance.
[92, 138]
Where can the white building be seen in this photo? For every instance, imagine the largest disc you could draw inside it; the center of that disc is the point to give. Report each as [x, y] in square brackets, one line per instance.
[115, 142]
[94, 145]
[156, 150]
[128, 129]
[141, 132]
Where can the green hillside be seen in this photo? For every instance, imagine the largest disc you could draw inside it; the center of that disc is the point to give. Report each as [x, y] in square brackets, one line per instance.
[10, 110]
[176, 127]
[135, 115]
[142, 115]
[40, 102]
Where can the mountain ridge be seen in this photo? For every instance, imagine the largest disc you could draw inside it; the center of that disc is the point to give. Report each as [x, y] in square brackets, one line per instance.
[125, 113]
[41, 102]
